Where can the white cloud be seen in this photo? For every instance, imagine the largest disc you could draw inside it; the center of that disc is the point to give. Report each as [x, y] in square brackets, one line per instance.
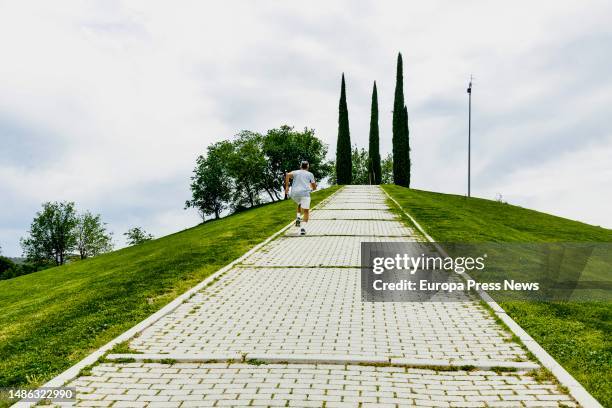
[576, 185]
[109, 103]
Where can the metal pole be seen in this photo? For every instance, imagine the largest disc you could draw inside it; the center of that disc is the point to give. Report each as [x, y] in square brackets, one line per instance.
[469, 91]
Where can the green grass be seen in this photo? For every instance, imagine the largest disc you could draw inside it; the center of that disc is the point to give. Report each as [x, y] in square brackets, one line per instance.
[577, 334]
[51, 319]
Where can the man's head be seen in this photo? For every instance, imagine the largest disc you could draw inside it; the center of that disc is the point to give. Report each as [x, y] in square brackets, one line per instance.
[304, 165]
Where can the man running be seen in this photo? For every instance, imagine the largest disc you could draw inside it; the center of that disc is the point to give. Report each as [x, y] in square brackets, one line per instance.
[303, 184]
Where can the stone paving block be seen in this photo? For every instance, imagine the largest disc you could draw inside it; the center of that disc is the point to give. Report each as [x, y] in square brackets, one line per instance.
[358, 200]
[353, 205]
[379, 228]
[352, 215]
[308, 251]
[319, 311]
[306, 389]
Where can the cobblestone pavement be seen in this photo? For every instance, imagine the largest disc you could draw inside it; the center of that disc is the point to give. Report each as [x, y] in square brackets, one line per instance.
[319, 311]
[308, 385]
[297, 302]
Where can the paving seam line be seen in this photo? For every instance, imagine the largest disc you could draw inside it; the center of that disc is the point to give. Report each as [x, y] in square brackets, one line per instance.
[73, 371]
[343, 235]
[352, 219]
[248, 266]
[325, 359]
[576, 390]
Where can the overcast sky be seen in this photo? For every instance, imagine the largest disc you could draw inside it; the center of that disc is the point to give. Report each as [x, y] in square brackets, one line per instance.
[109, 103]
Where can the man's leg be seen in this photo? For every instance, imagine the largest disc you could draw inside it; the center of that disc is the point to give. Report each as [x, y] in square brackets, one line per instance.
[305, 205]
[298, 216]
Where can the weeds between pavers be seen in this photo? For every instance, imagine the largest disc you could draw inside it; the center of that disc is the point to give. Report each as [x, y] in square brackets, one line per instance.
[123, 348]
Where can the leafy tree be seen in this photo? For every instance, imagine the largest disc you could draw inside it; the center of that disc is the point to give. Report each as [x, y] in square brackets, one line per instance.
[374, 170]
[387, 170]
[211, 184]
[137, 235]
[343, 148]
[92, 237]
[52, 235]
[401, 165]
[239, 173]
[360, 166]
[248, 168]
[285, 148]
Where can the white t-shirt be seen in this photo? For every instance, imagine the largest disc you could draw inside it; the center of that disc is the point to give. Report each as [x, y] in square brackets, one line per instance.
[301, 182]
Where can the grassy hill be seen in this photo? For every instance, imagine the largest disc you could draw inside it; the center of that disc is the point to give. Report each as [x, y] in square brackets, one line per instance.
[51, 319]
[577, 334]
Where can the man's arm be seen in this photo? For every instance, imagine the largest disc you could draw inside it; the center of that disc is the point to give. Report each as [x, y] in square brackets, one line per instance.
[287, 178]
[313, 183]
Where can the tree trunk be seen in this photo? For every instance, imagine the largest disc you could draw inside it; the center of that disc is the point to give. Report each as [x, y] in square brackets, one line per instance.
[270, 194]
[251, 201]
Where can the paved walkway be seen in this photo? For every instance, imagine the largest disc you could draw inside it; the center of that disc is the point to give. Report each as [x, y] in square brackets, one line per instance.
[287, 327]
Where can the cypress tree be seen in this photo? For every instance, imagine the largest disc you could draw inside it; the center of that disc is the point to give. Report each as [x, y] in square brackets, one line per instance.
[343, 148]
[400, 148]
[374, 169]
[406, 134]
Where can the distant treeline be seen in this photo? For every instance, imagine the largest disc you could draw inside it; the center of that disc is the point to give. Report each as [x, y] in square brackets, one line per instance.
[59, 234]
[10, 268]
